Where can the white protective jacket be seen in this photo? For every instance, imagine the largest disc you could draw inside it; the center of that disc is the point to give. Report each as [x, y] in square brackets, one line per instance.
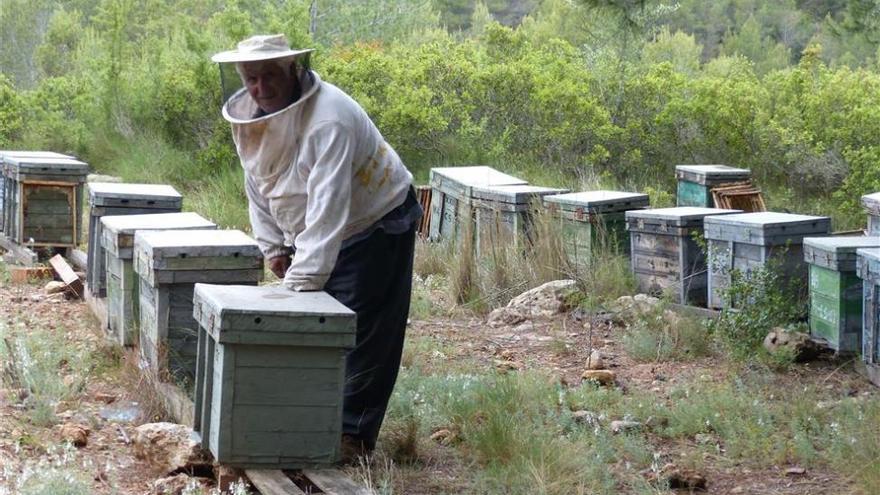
[316, 173]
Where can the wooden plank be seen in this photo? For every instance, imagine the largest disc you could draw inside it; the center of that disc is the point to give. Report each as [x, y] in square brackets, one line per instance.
[70, 279]
[335, 482]
[78, 259]
[272, 482]
[99, 309]
[18, 253]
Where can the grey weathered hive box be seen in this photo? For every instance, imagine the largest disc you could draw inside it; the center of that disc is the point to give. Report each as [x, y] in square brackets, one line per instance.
[6, 184]
[43, 199]
[451, 197]
[117, 239]
[590, 219]
[168, 264]
[749, 241]
[665, 256]
[836, 290]
[270, 375]
[503, 214]
[110, 199]
[868, 269]
[695, 182]
[871, 205]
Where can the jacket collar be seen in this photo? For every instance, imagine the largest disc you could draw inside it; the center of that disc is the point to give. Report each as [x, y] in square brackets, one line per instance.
[241, 108]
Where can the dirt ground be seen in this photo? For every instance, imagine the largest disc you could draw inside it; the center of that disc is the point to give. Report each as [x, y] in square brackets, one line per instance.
[560, 347]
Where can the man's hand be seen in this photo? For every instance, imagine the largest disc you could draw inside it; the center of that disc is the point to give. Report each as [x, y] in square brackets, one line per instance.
[279, 265]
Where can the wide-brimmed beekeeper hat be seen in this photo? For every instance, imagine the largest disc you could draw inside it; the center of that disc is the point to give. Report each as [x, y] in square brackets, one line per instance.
[260, 47]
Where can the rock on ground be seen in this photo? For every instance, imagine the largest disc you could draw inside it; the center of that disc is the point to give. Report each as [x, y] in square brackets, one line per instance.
[544, 301]
[168, 447]
[54, 287]
[595, 361]
[604, 377]
[625, 426]
[801, 347]
[77, 435]
[179, 484]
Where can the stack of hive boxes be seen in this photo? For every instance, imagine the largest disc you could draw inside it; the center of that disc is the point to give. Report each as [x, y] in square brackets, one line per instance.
[270, 375]
[750, 241]
[6, 184]
[121, 283]
[695, 182]
[504, 214]
[169, 264]
[113, 199]
[42, 199]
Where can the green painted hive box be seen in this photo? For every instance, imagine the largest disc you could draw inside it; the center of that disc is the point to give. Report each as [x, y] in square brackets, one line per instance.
[503, 214]
[665, 256]
[270, 375]
[871, 205]
[6, 183]
[44, 200]
[593, 220]
[868, 269]
[117, 239]
[112, 199]
[695, 182]
[747, 242]
[836, 290]
[451, 197]
[169, 264]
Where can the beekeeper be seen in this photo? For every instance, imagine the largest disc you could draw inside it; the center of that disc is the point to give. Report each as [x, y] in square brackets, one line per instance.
[332, 207]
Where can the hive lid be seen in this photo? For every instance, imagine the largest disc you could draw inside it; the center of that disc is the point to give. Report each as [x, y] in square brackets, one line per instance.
[871, 203]
[597, 201]
[133, 195]
[31, 154]
[253, 312]
[682, 216]
[837, 252]
[765, 228]
[869, 253]
[118, 230]
[703, 174]
[516, 194]
[476, 176]
[181, 249]
[45, 166]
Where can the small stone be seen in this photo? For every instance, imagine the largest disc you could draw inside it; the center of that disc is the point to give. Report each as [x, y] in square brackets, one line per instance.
[588, 418]
[178, 484]
[104, 397]
[682, 479]
[795, 471]
[444, 436]
[54, 287]
[603, 377]
[168, 447]
[704, 438]
[800, 345]
[656, 422]
[738, 490]
[625, 426]
[77, 435]
[506, 366]
[595, 361]
[507, 354]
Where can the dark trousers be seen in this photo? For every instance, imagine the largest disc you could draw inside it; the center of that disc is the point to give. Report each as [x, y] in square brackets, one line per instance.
[373, 278]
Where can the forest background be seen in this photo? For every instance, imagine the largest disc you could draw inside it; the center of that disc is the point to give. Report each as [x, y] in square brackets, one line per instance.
[575, 93]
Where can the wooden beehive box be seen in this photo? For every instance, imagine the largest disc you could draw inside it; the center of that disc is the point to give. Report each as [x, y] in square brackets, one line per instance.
[871, 205]
[169, 264]
[122, 284]
[665, 256]
[451, 197]
[111, 199]
[766, 240]
[590, 220]
[868, 269]
[836, 290]
[44, 200]
[270, 375]
[695, 182]
[503, 214]
[6, 183]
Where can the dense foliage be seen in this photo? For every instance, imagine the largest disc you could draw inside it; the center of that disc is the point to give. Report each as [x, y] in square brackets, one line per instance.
[613, 91]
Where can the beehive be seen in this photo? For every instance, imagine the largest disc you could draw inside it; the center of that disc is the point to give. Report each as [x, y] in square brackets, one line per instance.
[168, 264]
[592, 218]
[43, 200]
[270, 375]
[452, 197]
[112, 199]
[766, 240]
[6, 184]
[503, 214]
[665, 255]
[836, 290]
[868, 269]
[121, 283]
[871, 205]
[695, 182]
